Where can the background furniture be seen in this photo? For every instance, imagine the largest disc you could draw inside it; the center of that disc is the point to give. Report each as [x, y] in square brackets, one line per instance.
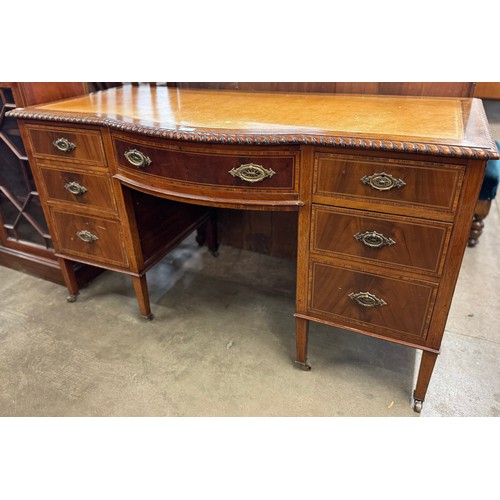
[25, 241]
[488, 192]
[384, 200]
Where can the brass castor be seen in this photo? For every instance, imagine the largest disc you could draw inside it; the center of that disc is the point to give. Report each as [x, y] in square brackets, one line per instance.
[303, 366]
[417, 405]
[149, 317]
[71, 298]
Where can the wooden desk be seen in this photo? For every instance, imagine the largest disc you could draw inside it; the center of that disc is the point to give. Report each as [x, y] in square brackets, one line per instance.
[384, 187]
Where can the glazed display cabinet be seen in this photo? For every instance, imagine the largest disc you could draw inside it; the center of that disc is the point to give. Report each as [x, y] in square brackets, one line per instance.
[25, 241]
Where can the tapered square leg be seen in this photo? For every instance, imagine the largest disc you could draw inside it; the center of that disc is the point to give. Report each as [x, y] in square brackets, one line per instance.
[424, 376]
[141, 291]
[69, 279]
[302, 337]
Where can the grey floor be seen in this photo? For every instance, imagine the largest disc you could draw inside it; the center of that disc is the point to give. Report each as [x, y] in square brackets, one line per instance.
[222, 344]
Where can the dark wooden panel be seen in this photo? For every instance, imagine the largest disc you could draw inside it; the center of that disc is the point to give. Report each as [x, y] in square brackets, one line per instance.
[269, 233]
[437, 89]
[164, 223]
[40, 92]
[405, 316]
[418, 244]
[107, 249]
[89, 148]
[427, 185]
[98, 192]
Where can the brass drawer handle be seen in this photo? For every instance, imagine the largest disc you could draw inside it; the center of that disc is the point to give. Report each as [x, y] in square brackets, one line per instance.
[75, 188]
[64, 145]
[250, 172]
[373, 239]
[87, 236]
[137, 159]
[382, 181]
[367, 299]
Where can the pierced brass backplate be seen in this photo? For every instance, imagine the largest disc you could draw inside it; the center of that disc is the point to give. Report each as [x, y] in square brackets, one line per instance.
[87, 236]
[367, 299]
[137, 159]
[250, 172]
[64, 145]
[382, 181]
[373, 239]
[75, 188]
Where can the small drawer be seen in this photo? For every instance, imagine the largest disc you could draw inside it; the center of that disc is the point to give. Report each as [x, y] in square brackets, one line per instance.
[90, 239]
[71, 145]
[398, 186]
[386, 306]
[79, 188]
[400, 242]
[219, 174]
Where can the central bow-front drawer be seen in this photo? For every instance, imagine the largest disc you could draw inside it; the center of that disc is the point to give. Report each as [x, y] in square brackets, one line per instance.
[209, 170]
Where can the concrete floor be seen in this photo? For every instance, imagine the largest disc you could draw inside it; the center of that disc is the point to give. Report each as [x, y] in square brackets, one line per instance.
[222, 344]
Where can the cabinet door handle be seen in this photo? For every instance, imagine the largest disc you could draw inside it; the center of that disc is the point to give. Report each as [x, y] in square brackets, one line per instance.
[75, 188]
[87, 236]
[382, 181]
[250, 172]
[367, 299]
[64, 145]
[373, 239]
[137, 159]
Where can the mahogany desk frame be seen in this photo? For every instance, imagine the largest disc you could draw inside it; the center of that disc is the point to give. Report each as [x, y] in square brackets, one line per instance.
[414, 166]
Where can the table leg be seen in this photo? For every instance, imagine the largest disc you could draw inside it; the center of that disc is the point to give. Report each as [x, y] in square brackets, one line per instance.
[69, 279]
[141, 291]
[302, 336]
[424, 376]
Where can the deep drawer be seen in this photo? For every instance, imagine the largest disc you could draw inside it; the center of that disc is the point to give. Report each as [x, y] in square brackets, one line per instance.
[387, 184]
[100, 240]
[79, 188]
[404, 313]
[82, 146]
[400, 242]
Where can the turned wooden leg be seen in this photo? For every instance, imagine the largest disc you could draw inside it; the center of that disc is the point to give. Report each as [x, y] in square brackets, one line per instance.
[302, 336]
[424, 376]
[482, 210]
[69, 279]
[141, 291]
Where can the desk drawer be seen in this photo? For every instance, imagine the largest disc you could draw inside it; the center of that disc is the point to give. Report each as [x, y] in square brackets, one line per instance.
[71, 145]
[246, 170]
[403, 242]
[398, 186]
[90, 239]
[79, 188]
[403, 314]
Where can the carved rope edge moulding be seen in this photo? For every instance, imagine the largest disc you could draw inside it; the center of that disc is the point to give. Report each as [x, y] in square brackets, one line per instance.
[262, 139]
